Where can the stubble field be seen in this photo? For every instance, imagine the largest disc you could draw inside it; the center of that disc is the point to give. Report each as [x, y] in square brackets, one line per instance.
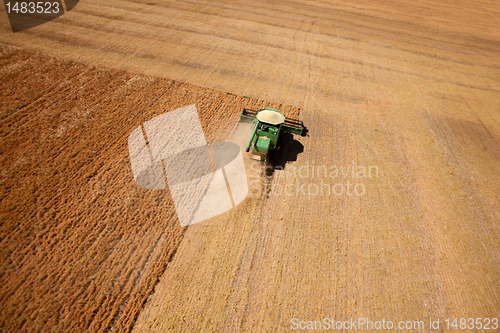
[82, 245]
[409, 89]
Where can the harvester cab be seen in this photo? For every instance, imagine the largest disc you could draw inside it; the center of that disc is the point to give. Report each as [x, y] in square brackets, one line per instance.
[268, 124]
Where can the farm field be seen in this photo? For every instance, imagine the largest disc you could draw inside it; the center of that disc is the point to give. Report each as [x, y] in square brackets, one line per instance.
[82, 245]
[405, 94]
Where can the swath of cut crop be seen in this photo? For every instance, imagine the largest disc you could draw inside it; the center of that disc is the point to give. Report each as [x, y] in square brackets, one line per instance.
[82, 246]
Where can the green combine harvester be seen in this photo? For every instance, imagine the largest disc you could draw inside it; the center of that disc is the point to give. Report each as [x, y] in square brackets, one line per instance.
[268, 125]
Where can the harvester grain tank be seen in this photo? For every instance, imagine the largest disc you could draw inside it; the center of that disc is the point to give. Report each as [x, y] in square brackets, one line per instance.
[268, 124]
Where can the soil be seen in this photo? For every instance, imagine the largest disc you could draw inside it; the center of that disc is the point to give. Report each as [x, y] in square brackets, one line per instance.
[82, 246]
[406, 90]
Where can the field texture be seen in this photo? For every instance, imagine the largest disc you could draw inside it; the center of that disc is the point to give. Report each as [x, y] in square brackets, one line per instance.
[407, 90]
[81, 245]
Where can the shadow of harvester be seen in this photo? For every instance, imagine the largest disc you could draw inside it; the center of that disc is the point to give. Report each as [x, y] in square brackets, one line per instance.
[288, 150]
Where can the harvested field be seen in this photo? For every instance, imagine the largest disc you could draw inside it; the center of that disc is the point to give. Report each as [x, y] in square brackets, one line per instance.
[408, 90]
[82, 246]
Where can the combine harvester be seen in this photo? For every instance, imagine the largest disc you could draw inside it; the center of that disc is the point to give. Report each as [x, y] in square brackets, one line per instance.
[269, 123]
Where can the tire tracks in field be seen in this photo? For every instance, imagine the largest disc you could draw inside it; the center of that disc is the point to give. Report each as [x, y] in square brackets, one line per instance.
[232, 37]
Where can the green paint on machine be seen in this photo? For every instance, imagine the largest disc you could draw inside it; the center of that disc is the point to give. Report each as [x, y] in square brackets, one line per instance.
[268, 124]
